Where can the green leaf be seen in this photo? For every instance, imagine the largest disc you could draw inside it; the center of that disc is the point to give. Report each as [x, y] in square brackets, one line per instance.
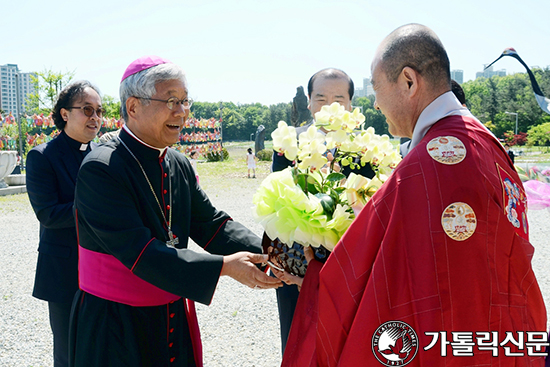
[306, 182]
[301, 180]
[327, 203]
[339, 190]
[313, 187]
[335, 177]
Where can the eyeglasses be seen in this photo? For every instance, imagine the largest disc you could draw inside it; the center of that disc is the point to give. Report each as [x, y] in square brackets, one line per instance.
[173, 101]
[89, 110]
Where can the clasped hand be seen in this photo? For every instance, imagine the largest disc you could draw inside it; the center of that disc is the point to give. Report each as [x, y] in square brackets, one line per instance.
[241, 267]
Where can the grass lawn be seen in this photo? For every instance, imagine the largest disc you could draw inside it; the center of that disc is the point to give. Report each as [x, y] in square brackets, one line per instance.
[235, 167]
[525, 154]
[13, 203]
[215, 176]
[223, 175]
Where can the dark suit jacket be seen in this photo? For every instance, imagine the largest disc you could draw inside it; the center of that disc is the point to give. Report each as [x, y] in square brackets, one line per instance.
[51, 178]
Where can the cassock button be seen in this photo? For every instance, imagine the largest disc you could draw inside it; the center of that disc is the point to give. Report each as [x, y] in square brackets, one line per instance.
[165, 174]
[172, 315]
[170, 345]
[167, 207]
[171, 330]
[172, 359]
[165, 192]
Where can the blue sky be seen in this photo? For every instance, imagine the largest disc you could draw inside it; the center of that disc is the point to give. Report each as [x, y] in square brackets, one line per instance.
[258, 50]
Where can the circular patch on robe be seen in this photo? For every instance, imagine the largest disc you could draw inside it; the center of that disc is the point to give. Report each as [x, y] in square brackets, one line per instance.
[459, 221]
[446, 149]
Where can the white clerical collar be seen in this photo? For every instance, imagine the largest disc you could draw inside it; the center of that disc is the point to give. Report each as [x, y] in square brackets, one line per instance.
[83, 147]
[161, 150]
[443, 106]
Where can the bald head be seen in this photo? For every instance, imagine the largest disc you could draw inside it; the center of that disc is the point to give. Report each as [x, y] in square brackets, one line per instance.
[418, 47]
[410, 70]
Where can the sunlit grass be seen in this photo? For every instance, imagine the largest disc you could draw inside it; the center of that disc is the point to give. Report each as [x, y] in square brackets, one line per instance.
[532, 154]
[223, 176]
[13, 203]
[234, 171]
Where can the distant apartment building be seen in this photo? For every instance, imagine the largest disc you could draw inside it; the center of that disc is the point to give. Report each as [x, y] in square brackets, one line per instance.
[15, 87]
[458, 76]
[367, 89]
[490, 73]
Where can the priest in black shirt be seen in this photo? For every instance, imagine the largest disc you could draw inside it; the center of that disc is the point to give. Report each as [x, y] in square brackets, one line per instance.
[137, 203]
[52, 168]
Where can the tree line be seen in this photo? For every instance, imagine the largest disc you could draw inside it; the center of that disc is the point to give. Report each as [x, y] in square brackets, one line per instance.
[487, 98]
[490, 98]
[241, 121]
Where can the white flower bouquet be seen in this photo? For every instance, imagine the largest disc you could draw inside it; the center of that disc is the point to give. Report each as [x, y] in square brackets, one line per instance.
[313, 203]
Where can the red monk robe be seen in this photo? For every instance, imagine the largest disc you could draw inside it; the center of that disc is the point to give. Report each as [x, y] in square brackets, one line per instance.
[412, 256]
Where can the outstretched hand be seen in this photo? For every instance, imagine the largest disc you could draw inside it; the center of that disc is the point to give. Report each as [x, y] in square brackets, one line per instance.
[288, 278]
[241, 267]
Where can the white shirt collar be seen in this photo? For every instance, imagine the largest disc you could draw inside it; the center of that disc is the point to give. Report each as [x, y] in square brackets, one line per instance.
[161, 150]
[443, 106]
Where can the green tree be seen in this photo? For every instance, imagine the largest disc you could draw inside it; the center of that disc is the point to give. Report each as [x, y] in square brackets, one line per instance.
[239, 121]
[363, 103]
[540, 134]
[205, 110]
[232, 124]
[373, 117]
[112, 107]
[254, 116]
[475, 91]
[277, 112]
[47, 85]
[489, 99]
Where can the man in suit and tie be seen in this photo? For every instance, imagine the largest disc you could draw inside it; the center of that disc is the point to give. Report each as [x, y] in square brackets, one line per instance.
[324, 88]
[51, 177]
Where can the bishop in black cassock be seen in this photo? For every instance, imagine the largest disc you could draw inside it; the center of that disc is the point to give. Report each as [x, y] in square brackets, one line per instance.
[137, 286]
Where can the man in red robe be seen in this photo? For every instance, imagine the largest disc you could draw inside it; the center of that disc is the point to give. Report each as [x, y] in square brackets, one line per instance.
[436, 269]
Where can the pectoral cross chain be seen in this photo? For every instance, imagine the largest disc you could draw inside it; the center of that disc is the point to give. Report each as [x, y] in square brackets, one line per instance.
[173, 241]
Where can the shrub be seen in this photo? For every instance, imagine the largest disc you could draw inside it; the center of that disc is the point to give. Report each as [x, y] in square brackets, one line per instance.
[513, 139]
[217, 156]
[539, 135]
[265, 155]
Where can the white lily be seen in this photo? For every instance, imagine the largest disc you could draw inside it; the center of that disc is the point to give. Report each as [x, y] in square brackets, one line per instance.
[284, 140]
